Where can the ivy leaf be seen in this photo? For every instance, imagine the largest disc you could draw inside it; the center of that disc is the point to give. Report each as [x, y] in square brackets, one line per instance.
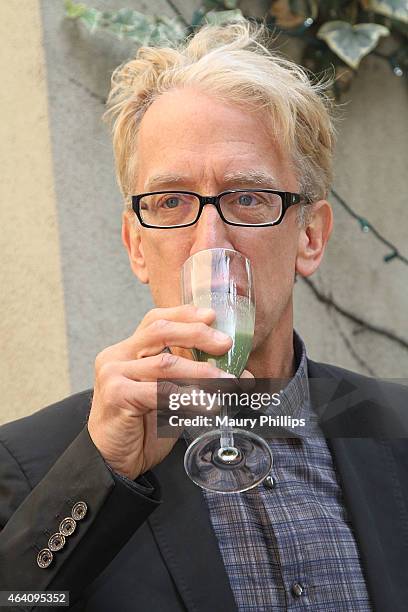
[168, 30]
[397, 9]
[128, 23]
[197, 17]
[74, 10]
[91, 17]
[221, 17]
[351, 42]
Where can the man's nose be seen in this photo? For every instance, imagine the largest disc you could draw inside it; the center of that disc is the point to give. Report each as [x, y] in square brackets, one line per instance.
[210, 231]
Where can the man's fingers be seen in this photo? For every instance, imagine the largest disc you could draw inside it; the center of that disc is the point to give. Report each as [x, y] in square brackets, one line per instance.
[151, 335]
[162, 332]
[186, 313]
[167, 365]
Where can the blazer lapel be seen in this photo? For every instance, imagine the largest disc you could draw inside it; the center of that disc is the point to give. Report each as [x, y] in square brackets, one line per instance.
[182, 530]
[373, 491]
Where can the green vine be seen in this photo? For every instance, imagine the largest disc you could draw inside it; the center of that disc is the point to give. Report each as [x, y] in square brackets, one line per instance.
[337, 34]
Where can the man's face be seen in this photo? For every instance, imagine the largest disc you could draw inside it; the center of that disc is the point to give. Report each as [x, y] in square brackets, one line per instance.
[188, 133]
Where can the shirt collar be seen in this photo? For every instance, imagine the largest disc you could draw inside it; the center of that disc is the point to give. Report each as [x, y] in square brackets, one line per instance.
[296, 392]
[295, 396]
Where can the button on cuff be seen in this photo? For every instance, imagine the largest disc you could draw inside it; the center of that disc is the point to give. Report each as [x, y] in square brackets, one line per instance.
[56, 542]
[44, 558]
[79, 511]
[67, 526]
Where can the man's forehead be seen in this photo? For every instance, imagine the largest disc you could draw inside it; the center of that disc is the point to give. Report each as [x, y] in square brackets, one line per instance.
[247, 177]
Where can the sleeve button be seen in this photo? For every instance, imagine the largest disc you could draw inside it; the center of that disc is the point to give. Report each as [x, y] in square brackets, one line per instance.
[56, 542]
[79, 510]
[44, 558]
[67, 526]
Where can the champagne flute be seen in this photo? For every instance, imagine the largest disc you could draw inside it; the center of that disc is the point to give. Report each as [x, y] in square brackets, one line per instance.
[227, 459]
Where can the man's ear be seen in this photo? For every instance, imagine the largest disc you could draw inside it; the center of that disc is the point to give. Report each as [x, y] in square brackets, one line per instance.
[313, 238]
[131, 238]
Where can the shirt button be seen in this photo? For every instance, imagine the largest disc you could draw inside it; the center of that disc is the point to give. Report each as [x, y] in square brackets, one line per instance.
[297, 589]
[269, 482]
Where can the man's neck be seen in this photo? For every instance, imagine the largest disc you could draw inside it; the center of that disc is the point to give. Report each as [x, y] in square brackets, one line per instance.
[275, 357]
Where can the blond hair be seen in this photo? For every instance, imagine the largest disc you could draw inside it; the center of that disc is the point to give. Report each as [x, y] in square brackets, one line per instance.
[233, 63]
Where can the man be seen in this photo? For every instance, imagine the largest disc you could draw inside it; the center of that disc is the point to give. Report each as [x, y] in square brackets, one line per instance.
[92, 502]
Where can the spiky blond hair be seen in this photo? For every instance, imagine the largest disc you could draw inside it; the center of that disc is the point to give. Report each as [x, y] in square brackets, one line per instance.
[235, 63]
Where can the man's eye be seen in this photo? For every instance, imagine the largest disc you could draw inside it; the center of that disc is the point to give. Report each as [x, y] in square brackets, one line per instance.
[171, 202]
[246, 199]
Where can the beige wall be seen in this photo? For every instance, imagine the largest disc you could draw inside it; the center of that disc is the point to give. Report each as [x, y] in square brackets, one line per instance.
[34, 365]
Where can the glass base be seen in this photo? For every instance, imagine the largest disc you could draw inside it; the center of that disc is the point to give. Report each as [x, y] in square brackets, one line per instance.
[228, 470]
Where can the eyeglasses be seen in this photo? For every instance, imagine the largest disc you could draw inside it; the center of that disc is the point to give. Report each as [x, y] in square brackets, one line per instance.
[243, 207]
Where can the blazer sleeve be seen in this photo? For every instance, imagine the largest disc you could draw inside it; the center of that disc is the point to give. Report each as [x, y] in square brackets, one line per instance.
[114, 509]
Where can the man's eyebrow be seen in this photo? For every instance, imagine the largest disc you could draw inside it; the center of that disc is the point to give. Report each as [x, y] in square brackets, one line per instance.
[256, 177]
[236, 177]
[164, 179]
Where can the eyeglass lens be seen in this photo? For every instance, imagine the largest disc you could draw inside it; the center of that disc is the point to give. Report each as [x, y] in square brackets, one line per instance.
[249, 207]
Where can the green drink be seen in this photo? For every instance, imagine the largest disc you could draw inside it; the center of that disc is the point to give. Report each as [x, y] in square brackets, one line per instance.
[235, 360]
[235, 316]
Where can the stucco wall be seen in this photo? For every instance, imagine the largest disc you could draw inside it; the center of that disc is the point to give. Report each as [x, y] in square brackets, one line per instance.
[69, 289]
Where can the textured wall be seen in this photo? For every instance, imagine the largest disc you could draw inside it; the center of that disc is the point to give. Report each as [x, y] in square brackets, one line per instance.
[69, 289]
[34, 355]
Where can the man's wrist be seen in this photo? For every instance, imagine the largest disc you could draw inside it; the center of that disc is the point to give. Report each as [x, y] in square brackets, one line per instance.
[146, 484]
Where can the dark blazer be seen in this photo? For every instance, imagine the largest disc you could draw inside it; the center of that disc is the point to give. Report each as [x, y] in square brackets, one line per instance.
[151, 547]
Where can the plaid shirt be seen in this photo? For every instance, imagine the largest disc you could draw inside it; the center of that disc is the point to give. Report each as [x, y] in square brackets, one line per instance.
[291, 547]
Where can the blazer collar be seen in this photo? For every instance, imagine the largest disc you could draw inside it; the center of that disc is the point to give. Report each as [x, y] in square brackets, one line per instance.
[370, 477]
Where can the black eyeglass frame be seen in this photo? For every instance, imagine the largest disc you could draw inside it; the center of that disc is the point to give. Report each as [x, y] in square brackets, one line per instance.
[288, 199]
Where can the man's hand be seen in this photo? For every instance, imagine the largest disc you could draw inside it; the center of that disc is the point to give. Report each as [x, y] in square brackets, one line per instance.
[122, 421]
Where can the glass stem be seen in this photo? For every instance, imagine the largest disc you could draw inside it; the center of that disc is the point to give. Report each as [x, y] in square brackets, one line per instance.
[227, 437]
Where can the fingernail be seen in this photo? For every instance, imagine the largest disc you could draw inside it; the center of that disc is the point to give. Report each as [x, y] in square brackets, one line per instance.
[220, 336]
[224, 374]
[204, 312]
